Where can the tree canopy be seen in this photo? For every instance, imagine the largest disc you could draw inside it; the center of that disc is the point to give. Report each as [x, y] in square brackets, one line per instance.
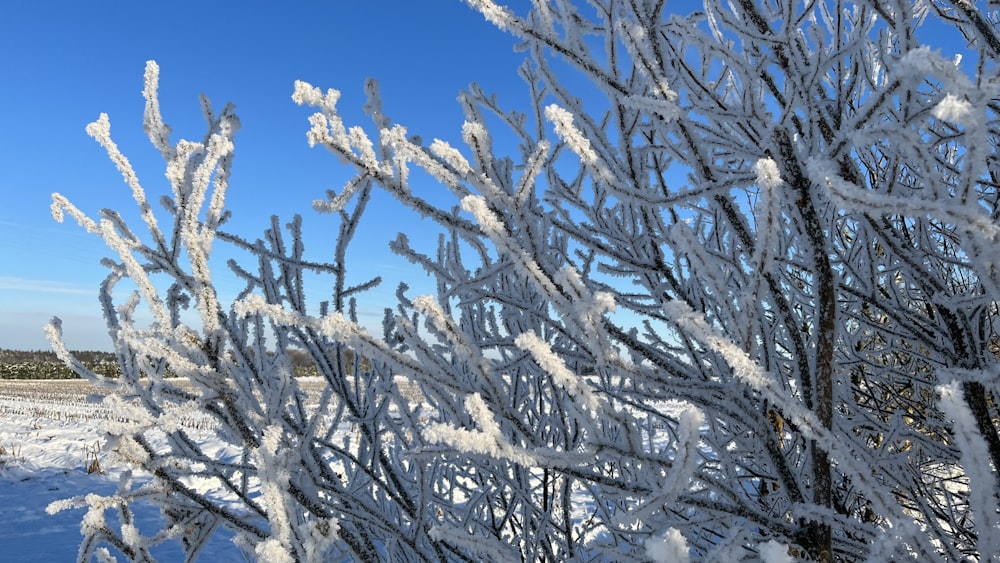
[736, 300]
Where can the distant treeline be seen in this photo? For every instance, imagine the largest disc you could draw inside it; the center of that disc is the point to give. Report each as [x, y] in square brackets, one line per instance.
[43, 364]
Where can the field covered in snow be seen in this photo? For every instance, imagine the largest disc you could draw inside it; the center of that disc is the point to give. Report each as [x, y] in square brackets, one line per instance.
[50, 439]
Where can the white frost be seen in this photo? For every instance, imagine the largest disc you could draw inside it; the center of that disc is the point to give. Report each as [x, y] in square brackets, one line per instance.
[476, 205]
[555, 366]
[768, 175]
[671, 547]
[953, 109]
[577, 141]
[497, 15]
[975, 459]
[272, 550]
[774, 552]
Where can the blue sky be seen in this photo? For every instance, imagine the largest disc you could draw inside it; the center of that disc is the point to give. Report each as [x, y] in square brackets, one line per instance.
[66, 62]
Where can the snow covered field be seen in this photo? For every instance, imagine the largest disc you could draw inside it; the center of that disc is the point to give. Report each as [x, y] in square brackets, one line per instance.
[50, 436]
[46, 460]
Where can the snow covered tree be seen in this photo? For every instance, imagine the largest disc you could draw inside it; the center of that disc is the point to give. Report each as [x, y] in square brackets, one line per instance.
[736, 299]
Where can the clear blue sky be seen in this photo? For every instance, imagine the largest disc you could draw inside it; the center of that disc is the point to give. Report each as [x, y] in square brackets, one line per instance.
[65, 62]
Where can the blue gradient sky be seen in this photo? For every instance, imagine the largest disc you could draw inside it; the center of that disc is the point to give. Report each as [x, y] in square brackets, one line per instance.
[66, 62]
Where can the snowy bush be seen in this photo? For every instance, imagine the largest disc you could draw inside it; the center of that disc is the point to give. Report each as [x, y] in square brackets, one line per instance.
[737, 301]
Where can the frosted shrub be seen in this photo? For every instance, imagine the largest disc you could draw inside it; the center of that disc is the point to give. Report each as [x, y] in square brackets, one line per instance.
[736, 302]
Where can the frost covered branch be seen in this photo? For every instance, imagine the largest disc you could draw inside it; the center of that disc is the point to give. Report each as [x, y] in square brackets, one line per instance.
[710, 308]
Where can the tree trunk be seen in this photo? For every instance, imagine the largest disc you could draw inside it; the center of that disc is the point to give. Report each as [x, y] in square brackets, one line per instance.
[818, 385]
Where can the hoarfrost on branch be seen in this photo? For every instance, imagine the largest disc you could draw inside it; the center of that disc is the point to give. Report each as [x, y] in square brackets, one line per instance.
[736, 301]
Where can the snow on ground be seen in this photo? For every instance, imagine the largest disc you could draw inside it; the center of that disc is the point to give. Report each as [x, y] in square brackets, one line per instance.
[50, 433]
[49, 436]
